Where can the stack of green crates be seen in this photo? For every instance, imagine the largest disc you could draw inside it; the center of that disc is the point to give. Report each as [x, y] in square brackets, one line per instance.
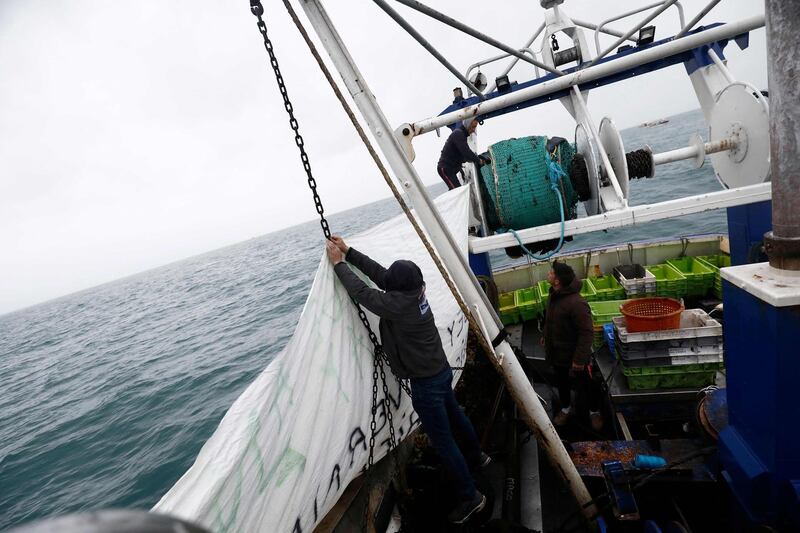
[670, 283]
[527, 302]
[671, 377]
[587, 291]
[699, 277]
[715, 262]
[509, 314]
[607, 288]
[543, 288]
[602, 313]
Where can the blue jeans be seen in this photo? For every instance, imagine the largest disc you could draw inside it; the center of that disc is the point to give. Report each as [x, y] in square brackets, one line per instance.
[441, 416]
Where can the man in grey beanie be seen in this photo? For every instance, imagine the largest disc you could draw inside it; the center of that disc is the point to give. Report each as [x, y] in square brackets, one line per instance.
[413, 346]
[456, 152]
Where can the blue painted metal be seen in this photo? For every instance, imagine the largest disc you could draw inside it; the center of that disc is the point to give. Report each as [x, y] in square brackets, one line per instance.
[759, 448]
[690, 58]
[700, 57]
[480, 264]
[716, 409]
[747, 225]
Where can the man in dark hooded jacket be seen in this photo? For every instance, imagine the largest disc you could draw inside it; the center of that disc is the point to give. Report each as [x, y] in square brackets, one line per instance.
[456, 152]
[414, 348]
[567, 339]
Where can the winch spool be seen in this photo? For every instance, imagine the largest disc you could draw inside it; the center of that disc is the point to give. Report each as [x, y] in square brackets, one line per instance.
[615, 151]
[588, 150]
[516, 187]
[640, 163]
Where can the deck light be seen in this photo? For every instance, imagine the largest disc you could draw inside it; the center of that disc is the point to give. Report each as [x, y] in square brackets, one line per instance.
[503, 85]
[646, 35]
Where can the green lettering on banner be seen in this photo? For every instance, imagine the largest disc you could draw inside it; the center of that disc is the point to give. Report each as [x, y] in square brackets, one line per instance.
[281, 388]
[289, 461]
[331, 371]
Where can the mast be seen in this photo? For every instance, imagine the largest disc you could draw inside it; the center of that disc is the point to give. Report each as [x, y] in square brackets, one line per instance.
[782, 244]
[504, 359]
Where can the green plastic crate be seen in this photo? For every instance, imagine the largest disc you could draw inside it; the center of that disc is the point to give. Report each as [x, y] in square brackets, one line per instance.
[699, 277]
[671, 377]
[715, 262]
[509, 314]
[604, 311]
[607, 288]
[670, 281]
[587, 291]
[543, 288]
[527, 301]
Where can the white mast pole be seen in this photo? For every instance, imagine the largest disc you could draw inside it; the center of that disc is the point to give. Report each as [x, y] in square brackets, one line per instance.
[505, 360]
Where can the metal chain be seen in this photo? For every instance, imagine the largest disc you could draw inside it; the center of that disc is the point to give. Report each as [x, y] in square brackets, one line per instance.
[378, 369]
[258, 10]
[372, 422]
[554, 42]
[388, 408]
[473, 323]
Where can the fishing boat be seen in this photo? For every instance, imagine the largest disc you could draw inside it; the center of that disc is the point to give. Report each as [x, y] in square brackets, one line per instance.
[326, 440]
[653, 123]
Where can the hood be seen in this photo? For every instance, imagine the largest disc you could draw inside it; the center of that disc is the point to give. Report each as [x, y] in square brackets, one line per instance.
[403, 275]
[572, 288]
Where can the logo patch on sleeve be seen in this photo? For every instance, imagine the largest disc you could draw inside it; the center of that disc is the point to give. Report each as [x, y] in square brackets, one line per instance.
[423, 305]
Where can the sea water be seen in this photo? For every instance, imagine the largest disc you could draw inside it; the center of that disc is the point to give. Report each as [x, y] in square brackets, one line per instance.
[107, 395]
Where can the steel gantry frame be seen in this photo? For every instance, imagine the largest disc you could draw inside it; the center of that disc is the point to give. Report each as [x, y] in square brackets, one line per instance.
[397, 155]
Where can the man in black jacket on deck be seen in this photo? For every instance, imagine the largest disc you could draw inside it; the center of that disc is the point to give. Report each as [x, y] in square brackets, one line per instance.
[456, 152]
[412, 343]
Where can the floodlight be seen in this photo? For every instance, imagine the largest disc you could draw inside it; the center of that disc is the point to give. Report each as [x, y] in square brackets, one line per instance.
[502, 83]
[646, 35]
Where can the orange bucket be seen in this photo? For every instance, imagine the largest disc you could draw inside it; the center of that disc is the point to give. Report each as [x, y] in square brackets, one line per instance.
[652, 314]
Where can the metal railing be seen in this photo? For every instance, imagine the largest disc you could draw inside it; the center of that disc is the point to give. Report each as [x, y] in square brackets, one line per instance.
[703, 12]
[489, 60]
[662, 6]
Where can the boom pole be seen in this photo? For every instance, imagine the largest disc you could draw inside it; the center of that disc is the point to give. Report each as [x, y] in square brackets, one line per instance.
[504, 359]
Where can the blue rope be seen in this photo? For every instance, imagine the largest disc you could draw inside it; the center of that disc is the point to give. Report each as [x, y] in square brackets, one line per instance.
[555, 174]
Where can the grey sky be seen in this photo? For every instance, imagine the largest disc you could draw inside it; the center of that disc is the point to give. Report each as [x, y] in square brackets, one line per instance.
[132, 135]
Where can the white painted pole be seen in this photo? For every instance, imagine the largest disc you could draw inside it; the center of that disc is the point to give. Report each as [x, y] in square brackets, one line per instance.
[591, 73]
[689, 152]
[721, 66]
[628, 217]
[505, 360]
[674, 155]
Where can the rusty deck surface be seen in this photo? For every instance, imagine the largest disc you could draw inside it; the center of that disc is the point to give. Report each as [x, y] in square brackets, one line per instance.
[589, 456]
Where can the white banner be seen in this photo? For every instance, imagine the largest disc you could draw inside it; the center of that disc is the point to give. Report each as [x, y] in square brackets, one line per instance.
[290, 444]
